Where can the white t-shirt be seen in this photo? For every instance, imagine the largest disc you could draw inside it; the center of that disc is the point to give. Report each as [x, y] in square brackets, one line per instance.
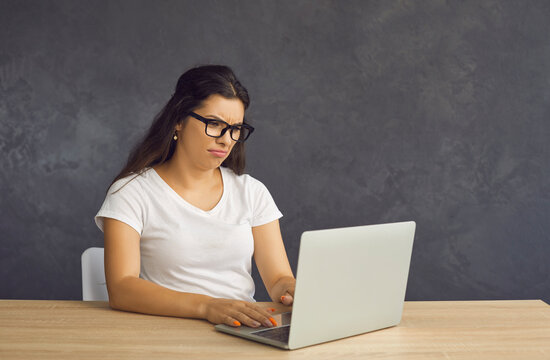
[188, 249]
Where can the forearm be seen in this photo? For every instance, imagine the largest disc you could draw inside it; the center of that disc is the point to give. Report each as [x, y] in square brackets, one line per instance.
[142, 296]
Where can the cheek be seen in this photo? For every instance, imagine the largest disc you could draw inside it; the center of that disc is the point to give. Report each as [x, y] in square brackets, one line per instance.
[193, 143]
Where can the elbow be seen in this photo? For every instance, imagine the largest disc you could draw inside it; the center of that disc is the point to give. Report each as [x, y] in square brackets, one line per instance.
[119, 292]
[113, 303]
[116, 301]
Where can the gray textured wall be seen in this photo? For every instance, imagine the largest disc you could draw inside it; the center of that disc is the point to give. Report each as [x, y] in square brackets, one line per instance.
[366, 112]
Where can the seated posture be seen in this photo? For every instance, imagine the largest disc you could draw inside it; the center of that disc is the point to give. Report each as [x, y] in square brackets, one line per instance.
[182, 222]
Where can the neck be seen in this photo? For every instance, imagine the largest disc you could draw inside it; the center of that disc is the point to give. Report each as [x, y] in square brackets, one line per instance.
[183, 173]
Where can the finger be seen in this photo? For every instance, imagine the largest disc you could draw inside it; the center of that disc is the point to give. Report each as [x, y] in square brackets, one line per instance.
[290, 291]
[248, 318]
[231, 321]
[287, 299]
[270, 309]
[254, 312]
[261, 315]
[264, 312]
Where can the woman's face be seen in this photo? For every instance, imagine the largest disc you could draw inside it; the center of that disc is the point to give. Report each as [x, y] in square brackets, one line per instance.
[203, 151]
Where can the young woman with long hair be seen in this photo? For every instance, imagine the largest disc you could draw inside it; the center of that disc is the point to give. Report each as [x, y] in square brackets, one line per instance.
[182, 221]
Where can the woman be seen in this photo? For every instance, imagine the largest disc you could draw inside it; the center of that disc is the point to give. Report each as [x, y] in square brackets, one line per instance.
[181, 221]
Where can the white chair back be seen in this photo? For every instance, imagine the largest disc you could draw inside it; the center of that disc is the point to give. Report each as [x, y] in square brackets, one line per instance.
[94, 287]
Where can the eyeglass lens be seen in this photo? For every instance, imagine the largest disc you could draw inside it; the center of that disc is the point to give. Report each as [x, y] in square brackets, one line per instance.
[215, 128]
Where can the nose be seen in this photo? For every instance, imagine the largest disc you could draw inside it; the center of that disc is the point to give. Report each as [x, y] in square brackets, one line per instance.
[225, 139]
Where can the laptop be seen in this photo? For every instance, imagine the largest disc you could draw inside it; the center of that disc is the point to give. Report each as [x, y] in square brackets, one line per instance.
[349, 281]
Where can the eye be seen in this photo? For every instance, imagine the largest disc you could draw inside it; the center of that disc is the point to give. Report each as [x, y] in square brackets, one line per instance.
[215, 124]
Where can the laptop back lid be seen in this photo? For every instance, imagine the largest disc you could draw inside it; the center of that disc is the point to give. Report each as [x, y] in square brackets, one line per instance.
[350, 281]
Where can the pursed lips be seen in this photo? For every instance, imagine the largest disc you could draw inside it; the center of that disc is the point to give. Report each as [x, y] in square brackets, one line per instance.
[218, 153]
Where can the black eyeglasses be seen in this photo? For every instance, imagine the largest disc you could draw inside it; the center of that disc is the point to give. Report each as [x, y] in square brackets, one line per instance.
[217, 128]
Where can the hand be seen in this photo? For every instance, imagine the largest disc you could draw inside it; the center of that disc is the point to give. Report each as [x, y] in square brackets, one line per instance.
[236, 312]
[283, 290]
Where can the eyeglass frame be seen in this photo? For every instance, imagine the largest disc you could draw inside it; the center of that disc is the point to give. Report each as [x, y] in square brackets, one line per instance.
[228, 126]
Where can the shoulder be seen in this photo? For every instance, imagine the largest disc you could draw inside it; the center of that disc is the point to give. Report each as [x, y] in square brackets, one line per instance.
[248, 188]
[132, 184]
[243, 182]
[254, 196]
[127, 200]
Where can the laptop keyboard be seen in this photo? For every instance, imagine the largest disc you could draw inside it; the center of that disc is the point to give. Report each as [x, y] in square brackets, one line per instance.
[278, 333]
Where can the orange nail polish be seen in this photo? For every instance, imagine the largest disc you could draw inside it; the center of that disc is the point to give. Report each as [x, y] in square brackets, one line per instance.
[236, 323]
[271, 309]
[282, 298]
[273, 321]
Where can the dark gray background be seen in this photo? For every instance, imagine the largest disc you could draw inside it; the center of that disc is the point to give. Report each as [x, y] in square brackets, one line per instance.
[366, 112]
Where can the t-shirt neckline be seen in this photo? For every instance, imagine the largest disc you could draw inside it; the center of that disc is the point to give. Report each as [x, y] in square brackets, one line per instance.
[181, 200]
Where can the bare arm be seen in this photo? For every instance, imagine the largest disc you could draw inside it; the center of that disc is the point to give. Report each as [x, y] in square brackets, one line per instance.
[130, 293]
[272, 262]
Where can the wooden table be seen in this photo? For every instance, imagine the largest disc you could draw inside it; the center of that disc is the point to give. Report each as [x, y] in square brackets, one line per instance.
[429, 330]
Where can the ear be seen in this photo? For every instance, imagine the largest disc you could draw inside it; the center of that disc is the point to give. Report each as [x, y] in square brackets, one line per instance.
[179, 127]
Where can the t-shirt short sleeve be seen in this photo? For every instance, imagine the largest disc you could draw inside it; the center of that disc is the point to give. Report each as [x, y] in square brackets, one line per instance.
[124, 202]
[264, 209]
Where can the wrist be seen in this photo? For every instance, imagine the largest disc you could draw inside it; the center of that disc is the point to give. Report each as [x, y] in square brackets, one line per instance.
[202, 306]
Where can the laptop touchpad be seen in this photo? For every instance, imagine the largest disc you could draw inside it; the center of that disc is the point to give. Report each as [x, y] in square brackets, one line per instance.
[283, 319]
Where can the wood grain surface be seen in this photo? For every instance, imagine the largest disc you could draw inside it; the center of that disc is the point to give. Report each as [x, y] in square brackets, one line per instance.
[37, 329]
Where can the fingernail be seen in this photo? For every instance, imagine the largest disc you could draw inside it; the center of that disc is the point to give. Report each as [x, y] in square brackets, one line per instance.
[271, 309]
[273, 321]
[236, 323]
[282, 298]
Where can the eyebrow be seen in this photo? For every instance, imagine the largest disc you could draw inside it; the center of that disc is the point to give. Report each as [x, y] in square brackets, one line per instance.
[219, 118]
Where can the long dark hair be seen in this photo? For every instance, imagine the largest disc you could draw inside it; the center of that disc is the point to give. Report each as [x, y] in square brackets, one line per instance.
[193, 87]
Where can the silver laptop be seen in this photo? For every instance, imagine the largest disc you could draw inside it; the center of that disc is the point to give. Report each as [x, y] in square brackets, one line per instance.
[349, 281]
